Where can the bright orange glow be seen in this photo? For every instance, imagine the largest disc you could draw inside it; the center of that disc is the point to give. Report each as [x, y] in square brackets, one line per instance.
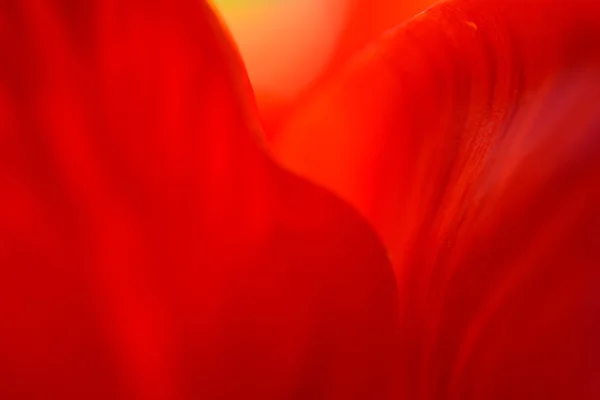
[285, 43]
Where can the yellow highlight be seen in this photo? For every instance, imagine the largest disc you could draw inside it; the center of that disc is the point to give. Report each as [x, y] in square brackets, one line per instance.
[242, 6]
[284, 43]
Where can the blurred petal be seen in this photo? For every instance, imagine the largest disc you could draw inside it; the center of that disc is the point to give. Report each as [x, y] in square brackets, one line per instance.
[149, 249]
[470, 138]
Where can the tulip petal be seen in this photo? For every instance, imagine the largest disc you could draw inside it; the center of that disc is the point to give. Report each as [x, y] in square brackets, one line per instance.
[149, 248]
[470, 138]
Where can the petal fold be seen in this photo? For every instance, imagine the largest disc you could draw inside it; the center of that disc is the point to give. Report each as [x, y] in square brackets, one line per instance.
[149, 248]
[470, 138]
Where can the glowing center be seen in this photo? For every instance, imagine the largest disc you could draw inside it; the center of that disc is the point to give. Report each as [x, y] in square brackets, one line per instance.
[285, 43]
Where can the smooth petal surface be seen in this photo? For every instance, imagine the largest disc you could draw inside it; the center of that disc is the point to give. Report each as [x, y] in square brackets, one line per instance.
[368, 20]
[149, 249]
[470, 138]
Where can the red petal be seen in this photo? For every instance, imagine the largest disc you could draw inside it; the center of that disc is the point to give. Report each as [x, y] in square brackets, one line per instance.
[148, 248]
[368, 19]
[470, 137]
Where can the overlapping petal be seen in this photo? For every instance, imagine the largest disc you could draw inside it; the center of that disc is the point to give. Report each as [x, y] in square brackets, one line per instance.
[470, 137]
[149, 249]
